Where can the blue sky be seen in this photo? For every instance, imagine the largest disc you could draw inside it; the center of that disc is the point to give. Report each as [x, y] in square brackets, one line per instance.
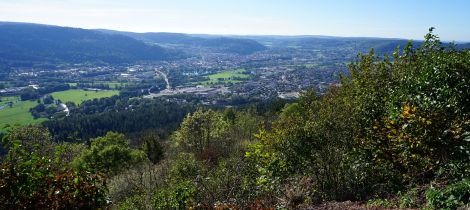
[408, 19]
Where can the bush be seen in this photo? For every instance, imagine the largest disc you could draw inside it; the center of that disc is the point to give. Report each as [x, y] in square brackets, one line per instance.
[34, 185]
[109, 154]
[136, 186]
[203, 133]
[179, 189]
[179, 196]
[385, 203]
[32, 177]
[409, 199]
[450, 197]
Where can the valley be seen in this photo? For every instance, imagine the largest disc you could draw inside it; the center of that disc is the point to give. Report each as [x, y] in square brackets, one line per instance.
[212, 67]
[106, 119]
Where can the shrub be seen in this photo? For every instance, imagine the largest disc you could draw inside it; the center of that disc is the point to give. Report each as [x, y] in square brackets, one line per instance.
[410, 199]
[179, 195]
[450, 197]
[30, 178]
[385, 203]
[109, 154]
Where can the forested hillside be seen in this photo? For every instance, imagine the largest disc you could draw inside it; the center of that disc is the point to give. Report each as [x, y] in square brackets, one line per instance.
[394, 133]
[217, 44]
[24, 43]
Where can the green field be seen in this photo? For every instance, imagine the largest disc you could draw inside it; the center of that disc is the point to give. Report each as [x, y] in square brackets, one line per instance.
[78, 96]
[215, 82]
[18, 113]
[5, 99]
[310, 65]
[224, 77]
[229, 74]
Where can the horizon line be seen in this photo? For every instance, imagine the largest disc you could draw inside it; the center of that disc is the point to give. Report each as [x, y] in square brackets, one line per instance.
[222, 34]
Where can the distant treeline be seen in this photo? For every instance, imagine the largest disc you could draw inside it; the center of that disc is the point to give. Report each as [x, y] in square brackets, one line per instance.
[31, 93]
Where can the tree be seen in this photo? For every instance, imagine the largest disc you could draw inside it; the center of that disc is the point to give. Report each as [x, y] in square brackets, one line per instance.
[29, 94]
[27, 143]
[414, 110]
[152, 147]
[109, 154]
[203, 133]
[48, 99]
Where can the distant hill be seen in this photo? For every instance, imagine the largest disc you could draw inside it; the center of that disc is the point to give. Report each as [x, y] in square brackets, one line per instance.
[239, 46]
[159, 37]
[381, 46]
[22, 42]
[213, 43]
[354, 44]
[463, 46]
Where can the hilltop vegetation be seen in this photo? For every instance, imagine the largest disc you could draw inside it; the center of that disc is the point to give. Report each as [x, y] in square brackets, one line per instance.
[394, 133]
[398, 128]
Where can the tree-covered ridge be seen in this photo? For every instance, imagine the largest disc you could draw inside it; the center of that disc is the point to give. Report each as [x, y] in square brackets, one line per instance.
[218, 44]
[25, 43]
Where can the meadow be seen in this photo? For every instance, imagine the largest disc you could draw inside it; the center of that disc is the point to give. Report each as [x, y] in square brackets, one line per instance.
[18, 113]
[227, 75]
[224, 77]
[78, 96]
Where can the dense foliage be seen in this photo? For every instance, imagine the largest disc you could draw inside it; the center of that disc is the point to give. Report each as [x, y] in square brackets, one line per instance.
[395, 123]
[34, 176]
[97, 117]
[31, 93]
[109, 154]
